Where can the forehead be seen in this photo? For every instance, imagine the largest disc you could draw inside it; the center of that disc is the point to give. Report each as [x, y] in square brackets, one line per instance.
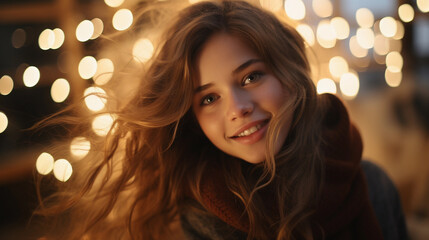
[221, 55]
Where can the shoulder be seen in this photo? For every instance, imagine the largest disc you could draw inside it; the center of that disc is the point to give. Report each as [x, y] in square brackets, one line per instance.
[385, 201]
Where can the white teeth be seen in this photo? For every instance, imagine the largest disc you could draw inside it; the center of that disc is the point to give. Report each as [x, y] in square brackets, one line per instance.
[249, 131]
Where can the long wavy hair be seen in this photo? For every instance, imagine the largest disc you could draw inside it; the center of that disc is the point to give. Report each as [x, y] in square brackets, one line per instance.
[155, 154]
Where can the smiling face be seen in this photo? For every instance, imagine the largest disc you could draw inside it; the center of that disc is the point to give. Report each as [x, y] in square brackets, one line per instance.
[236, 98]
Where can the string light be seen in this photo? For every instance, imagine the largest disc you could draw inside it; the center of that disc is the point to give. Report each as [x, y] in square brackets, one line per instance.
[423, 5]
[60, 90]
[46, 39]
[58, 38]
[62, 170]
[113, 3]
[341, 27]
[98, 28]
[338, 66]
[326, 85]
[307, 33]
[80, 147]
[102, 124]
[349, 85]
[325, 34]
[122, 19]
[393, 79]
[84, 31]
[95, 98]
[406, 12]
[295, 9]
[364, 17]
[365, 37]
[45, 163]
[394, 61]
[3, 122]
[104, 71]
[388, 26]
[322, 8]
[6, 85]
[31, 76]
[87, 67]
[356, 49]
[143, 50]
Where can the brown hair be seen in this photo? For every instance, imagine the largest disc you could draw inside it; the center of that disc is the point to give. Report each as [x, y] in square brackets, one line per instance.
[155, 154]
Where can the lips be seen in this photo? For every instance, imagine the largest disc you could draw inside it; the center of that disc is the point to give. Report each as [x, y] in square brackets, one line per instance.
[250, 128]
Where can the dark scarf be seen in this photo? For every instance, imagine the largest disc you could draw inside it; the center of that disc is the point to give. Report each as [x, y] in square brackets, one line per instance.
[345, 211]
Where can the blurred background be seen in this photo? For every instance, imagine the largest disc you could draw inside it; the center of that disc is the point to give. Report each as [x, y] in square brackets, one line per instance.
[372, 54]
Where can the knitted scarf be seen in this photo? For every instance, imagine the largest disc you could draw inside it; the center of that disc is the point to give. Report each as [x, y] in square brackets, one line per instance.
[344, 211]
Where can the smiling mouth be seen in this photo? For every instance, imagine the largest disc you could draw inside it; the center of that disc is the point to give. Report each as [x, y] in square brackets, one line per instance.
[251, 130]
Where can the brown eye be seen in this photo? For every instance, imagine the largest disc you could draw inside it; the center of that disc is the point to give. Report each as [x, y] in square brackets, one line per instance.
[251, 78]
[209, 99]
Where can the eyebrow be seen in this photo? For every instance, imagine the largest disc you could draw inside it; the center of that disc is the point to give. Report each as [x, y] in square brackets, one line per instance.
[237, 70]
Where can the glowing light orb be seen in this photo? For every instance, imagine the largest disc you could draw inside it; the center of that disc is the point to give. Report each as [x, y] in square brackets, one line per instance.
[87, 67]
[381, 44]
[46, 39]
[326, 85]
[307, 33]
[393, 79]
[80, 147]
[338, 66]
[423, 5]
[272, 5]
[3, 122]
[326, 34]
[295, 9]
[364, 17]
[62, 170]
[6, 85]
[388, 26]
[349, 85]
[45, 163]
[84, 31]
[59, 38]
[323, 8]
[104, 73]
[102, 124]
[365, 37]
[143, 50]
[113, 3]
[31, 76]
[341, 27]
[394, 61]
[60, 90]
[122, 19]
[98, 27]
[356, 49]
[406, 12]
[95, 98]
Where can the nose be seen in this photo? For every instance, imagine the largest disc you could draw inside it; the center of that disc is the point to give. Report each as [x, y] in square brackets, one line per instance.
[239, 104]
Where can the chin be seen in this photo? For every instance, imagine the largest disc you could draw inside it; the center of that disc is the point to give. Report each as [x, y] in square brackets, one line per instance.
[254, 160]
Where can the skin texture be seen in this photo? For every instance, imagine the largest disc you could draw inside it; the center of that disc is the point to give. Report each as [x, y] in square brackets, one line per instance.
[237, 91]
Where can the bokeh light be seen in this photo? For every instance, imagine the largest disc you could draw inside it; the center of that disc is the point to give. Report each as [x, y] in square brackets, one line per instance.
[423, 5]
[31, 76]
[87, 67]
[59, 38]
[122, 19]
[19, 37]
[98, 28]
[143, 50]
[295, 9]
[338, 66]
[102, 124]
[349, 85]
[325, 34]
[6, 85]
[60, 90]
[365, 37]
[322, 8]
[388, 26]
[84, 31]
[341, 27]
[62, 170]
[394, 61]
[364, 17]
[95, 98]
[381, 44]
[356, 49]
[104, 73]
[272, 5]
[400, 31]
[46, 39]
[3, 122]
[44, 163]
[406, 12]
[307, 33]
[326, 85]
[393, 79]
[80, 147]
[113, 3]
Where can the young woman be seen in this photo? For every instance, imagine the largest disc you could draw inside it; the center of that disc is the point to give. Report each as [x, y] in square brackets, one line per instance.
[226, 138]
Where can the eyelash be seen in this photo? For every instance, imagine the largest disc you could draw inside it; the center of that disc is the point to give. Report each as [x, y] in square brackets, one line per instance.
[205, 99]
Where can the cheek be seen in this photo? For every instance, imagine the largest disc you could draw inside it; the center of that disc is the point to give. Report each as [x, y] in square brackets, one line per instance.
[211, 125]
